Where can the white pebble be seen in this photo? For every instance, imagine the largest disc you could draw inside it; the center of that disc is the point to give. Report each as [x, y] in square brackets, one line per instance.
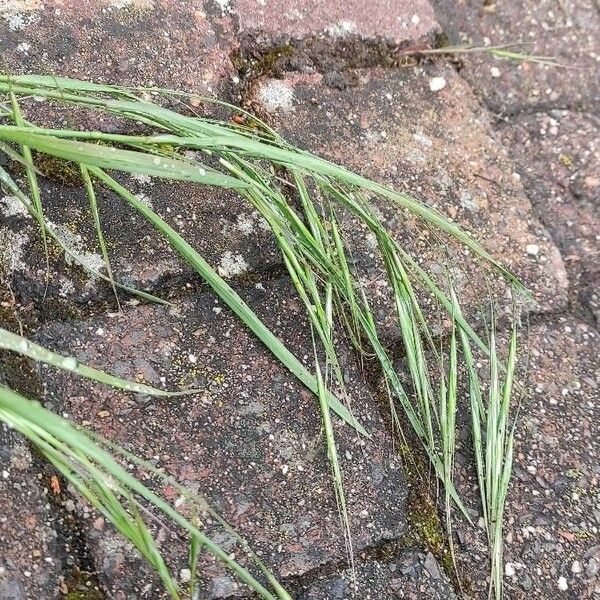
[185, 575]
[532, 249]
[509, 569]
[562, 584]
[576, 567]
[437, 83]
[495, 71]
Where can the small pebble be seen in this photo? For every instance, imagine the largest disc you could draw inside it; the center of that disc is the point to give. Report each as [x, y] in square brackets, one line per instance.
[185, 575]
[437, 83]
[532, 249]
[509, 569]
[562, 584]
[495, 71]
[576, 567]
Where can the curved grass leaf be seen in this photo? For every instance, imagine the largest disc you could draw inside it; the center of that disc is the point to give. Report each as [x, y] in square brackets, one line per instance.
[21, 345]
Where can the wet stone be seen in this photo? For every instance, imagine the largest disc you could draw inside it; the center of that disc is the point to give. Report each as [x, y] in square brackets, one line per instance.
[30, 557]
[568, 31]
[221, 226]
[393, 21]
[557, 155]
[251, 442]
[124, 41]
[405, 576]
[437, 146]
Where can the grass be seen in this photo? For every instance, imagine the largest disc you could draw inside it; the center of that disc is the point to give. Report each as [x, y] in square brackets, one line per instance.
[302, 198]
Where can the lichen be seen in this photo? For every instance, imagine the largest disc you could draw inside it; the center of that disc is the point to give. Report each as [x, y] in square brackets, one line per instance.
[232, 264]
[275, 95]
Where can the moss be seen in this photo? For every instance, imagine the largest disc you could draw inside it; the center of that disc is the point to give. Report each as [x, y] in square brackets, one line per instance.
[55, 169]
[441, 40]
[266, 63]
[425, 526]
[82, 586]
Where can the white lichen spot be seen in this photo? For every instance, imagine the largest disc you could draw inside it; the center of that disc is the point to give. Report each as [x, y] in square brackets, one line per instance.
[223, 5]
[142, 179]
[19, 14]
[145, 200]
[422, 139]
[12, 248]
[247, 224]
[90, 261]
[232, 264]
[66, 288]
[342, 29]
[276, 95]
[466, 201]
[371, 240]
[11, 206]
[437, 83]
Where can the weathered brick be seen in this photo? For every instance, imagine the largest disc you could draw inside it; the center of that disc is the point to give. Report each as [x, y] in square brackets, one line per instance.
[394, 22]
[568, 32]
[411, 574]
[251, 442]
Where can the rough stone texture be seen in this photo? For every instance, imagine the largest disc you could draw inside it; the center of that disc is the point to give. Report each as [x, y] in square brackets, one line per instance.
[394, 22]
[554, 510]
[438, 146]
[552, 519]
[137, 42]
[235, 442]
[568, 30]
[30, 560]
[411, 575]
[557, 155]
[220, 225]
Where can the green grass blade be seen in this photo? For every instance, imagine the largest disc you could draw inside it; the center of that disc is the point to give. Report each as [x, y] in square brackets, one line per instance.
[89, 188]
[110, 157]
[230, 297]
[21, 345]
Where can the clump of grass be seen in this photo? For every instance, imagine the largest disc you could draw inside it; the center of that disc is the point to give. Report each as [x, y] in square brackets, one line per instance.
[270, 175]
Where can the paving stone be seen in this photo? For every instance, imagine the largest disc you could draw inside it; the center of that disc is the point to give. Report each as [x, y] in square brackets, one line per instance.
[30, 557]
[552, 519]
[328, 37]
[396, 22]
[557, 154]
[138, 42]
[437, 146]
[223, 227]
[235, 443]
[568, 30]
[412, 575]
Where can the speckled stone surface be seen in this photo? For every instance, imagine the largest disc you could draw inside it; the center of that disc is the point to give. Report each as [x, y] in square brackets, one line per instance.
[234, 442]
[31, 562]
[395, 22]
[411, 575]
[567, 31]
[164, 43]
[558, 154]
[552, 524]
